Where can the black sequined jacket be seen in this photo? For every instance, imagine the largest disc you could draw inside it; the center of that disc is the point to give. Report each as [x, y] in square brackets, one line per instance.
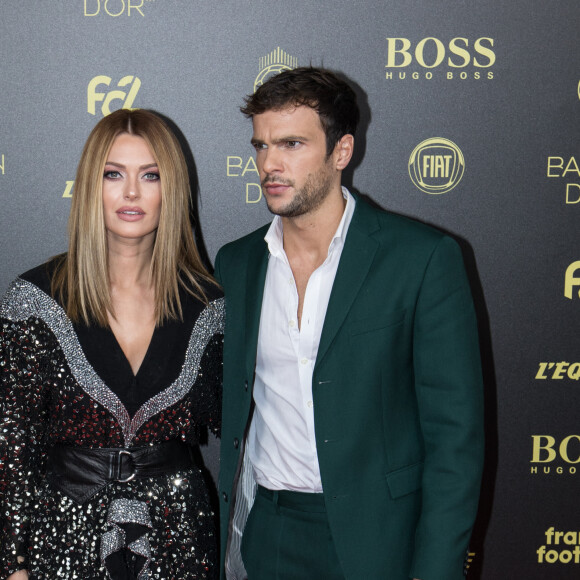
[65, 383]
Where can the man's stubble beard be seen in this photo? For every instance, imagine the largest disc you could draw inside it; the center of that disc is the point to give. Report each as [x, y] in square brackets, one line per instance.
[307, 199]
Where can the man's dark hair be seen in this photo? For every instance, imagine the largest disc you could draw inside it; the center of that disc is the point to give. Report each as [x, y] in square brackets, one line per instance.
[332, 98]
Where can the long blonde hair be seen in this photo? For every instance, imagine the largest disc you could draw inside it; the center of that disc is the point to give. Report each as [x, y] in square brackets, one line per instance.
[81, 278]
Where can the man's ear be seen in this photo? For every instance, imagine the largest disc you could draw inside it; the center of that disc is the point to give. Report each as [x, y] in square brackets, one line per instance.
[343, 151]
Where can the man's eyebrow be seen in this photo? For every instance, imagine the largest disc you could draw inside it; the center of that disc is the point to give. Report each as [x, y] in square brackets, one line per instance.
[284, 139]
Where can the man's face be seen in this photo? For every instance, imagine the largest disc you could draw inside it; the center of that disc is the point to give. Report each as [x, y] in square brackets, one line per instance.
[295, 173]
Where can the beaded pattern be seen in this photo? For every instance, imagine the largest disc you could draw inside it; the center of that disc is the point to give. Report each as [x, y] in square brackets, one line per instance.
[124, 511]
[50, 394]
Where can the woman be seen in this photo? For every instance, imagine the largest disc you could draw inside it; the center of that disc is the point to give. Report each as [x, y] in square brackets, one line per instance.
[110, 368]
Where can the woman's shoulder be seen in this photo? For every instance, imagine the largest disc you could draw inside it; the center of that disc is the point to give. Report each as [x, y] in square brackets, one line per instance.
[210, 305]
[29, 296]
[41, 276]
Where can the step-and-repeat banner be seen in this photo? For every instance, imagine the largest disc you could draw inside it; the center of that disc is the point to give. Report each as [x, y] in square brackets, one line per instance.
[471, 123]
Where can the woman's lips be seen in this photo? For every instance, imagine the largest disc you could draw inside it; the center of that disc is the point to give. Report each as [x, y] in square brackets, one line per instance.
[130, 214]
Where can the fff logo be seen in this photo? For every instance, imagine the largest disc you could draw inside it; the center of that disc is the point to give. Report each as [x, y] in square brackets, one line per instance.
[128, 88]
[113, 8]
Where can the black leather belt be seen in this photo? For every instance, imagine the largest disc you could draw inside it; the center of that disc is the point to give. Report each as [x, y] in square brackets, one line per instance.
[80, 472]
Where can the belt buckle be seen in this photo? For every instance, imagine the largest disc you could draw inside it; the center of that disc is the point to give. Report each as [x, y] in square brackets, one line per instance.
[119, 459]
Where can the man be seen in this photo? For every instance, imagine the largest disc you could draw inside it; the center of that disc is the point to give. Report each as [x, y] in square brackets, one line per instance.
[352, 380]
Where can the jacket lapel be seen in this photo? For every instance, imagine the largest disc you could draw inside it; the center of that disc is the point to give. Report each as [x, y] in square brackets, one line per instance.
[255, 281]
[355, 262]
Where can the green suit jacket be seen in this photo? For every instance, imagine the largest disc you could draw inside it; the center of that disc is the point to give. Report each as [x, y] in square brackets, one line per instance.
[397, 391]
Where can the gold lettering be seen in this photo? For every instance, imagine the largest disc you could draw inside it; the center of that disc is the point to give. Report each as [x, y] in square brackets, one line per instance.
[112, 13]
[392, 51]
[560, 370]
[570, 538]
[68, 189]
[250, 167]
[92, 95]
[571, 167]
[540, 374]
[538, 447]
[554, 166]
[569, 187]
[569, 280]
[132, 92]
[484, 51]
[230, 165]
[136, 7]
[440, 52]
[93, 13]
[255, 186]
[574, 371]
[455, 49]
[564, 448]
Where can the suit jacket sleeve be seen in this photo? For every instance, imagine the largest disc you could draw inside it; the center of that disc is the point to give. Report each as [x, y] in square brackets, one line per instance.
[449, 390]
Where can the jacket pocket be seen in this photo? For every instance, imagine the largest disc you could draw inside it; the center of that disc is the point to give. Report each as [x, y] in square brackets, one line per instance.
[377, 322]
[405, 480]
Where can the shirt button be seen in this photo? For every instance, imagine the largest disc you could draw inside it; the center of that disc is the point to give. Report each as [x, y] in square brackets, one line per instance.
[246, 386]
[224, 496]
[291, 281]
[236, 442]
[292, 323]
[304, 361]
[310, 404]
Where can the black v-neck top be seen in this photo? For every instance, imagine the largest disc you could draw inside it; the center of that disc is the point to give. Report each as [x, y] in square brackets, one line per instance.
[164, 357]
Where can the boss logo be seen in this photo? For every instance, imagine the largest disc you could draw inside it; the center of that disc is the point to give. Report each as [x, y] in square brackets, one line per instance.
[432, 52]
[130, 86]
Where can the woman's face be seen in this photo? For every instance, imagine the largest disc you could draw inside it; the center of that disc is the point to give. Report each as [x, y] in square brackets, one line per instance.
[131, 191]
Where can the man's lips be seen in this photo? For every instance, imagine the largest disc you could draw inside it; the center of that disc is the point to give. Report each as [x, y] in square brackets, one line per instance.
[275, 188]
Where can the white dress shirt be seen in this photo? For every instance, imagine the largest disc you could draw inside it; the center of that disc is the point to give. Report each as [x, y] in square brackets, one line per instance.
[281, 440]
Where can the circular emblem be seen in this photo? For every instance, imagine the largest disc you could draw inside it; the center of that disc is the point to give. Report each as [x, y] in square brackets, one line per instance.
[268, 72]
[436, 165]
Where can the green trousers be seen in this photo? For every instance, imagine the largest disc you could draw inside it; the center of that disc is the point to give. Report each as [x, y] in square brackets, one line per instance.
[287, 538]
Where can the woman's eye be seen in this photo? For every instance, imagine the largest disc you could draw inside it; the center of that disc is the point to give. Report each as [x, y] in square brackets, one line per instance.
[112, 175]
[151, 176]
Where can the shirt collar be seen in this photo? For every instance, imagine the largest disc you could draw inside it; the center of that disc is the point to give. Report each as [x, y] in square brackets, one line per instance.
[274, 237]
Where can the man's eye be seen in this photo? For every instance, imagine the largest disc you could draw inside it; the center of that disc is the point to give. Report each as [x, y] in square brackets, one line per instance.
[259, 146]
[292, 144]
